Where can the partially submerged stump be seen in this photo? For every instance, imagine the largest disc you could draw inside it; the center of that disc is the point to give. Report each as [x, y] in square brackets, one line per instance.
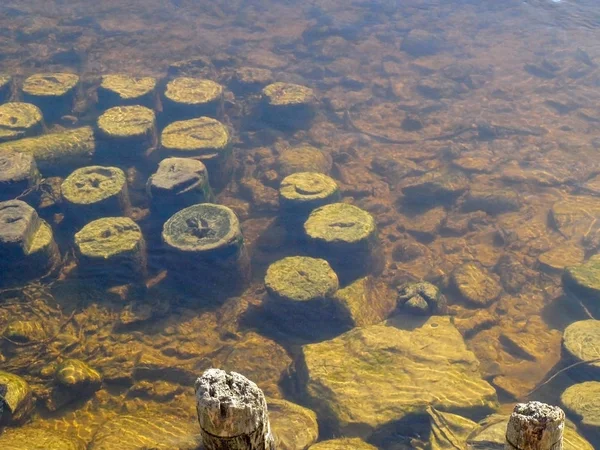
[581, 344]
[19, 120]
[535, 426]
[177, 184]
[301, 193]
[111, 250]
[125, 133]
[57, 153]
[187, 97]
[288, 105]
[347, 236]
[96, 191]
[232, 412]
[205, 139]
[300, 291]
[205, 247]
[18, 172]
[6, 87]
[54, 93]
[122, 90]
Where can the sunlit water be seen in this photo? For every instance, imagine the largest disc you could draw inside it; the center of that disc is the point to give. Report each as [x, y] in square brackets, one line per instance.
[504, 95]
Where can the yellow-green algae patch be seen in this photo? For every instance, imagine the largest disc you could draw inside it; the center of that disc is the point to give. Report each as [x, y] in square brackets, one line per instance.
[50, 84]
[340, 223]
[200, 136]
[287, 94]
[193, 91]
[126, 121]
[19, 120]
[128, 87]
[93, 184]
[301, 278]
[108, 237]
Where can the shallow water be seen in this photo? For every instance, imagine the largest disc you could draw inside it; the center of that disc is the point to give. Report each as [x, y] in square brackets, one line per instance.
[502, 96]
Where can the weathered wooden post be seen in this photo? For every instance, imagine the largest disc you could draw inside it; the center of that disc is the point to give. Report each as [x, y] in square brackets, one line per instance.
[232, 411]
[535, 426]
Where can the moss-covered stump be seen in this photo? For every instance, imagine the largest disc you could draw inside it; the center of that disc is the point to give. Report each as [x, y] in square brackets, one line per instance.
[6, 87]
[299, 300]
[94, 192]
[287, 105]
[205, 248]
[583, 280]
[581, 343]
[250, 80]
[125, 90]
[421, 298]
[347, 236]
[476, 284]
[112, 250]
[490, 433]
[17, 400]
[581, 402]
[147, 430]
[303, 158]
[27, 246]
[205, 139]
[125, 133]
[177, 184]
[18, 172]
[31, 437]
[54, 93]
[367, 301]
[57, 153]
[19, 120]
[342, 444]
[293, 426]
[370, 377]
[302, 192]
[187, 97]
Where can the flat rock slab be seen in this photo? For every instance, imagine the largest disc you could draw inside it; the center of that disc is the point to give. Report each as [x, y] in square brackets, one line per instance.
[476, 284]
[33, 438]
[581, 401]
[574, 217]
[372, 376]
[294, 426]
[584, 281]
[581, 342]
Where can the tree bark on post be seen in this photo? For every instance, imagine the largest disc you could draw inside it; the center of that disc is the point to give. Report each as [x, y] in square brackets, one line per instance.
[232, 412]
[535, 426]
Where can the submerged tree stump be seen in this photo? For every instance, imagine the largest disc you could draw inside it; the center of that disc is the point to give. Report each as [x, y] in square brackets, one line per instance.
[535, 426]
[232, 412]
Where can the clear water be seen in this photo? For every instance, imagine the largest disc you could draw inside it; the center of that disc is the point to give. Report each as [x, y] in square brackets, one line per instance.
[504, 94]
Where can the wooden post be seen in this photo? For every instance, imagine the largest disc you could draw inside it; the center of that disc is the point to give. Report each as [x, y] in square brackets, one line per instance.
[535, 426]
[232, 411]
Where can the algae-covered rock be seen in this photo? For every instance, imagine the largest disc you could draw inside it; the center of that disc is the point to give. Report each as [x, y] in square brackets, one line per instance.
[18, 120]
[366, 301]
[57, 153]
[96, 191]
[250, 80]
[76, 375]
[558, 258]
[187, 97]
[288, 105]
[372, 376]
[302, 192]
[5, 87]
[581, 401]
[112, 249]
[31, 437]
[574, 217]
[303, 158]
[25, 331]
[18, 172]
[126, 132]
[293, 426]
[490, 434]
[411, 295]
[177, 184]
[18, 400]
[54, 93]
[492, 201]
[342, 444]
[206, 239]
[121, 90]
[434, 187]
[584, 281]
[147, 430]
[476, 284]
[581, 342]
[448, 431]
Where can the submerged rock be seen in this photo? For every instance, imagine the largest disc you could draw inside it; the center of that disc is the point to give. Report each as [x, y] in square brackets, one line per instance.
[31, 437]
[342, 444]
[581, 343]
[574, 217]
[120, 90]
[476, 284]
[293, 426]
[559, 258]
[494, 201]
[78, 376]
[583, 280]
[581, 401]
[421, 298]
[366, 301]
[303, 158]
[434, 187]
[53, 93]
[19, 120]
[448, 431]
[250, 80]
[187, 97]
[421, 43]
[25, 331]
[18, 172]
[18, 399]
[288, 105]
[370, 377]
